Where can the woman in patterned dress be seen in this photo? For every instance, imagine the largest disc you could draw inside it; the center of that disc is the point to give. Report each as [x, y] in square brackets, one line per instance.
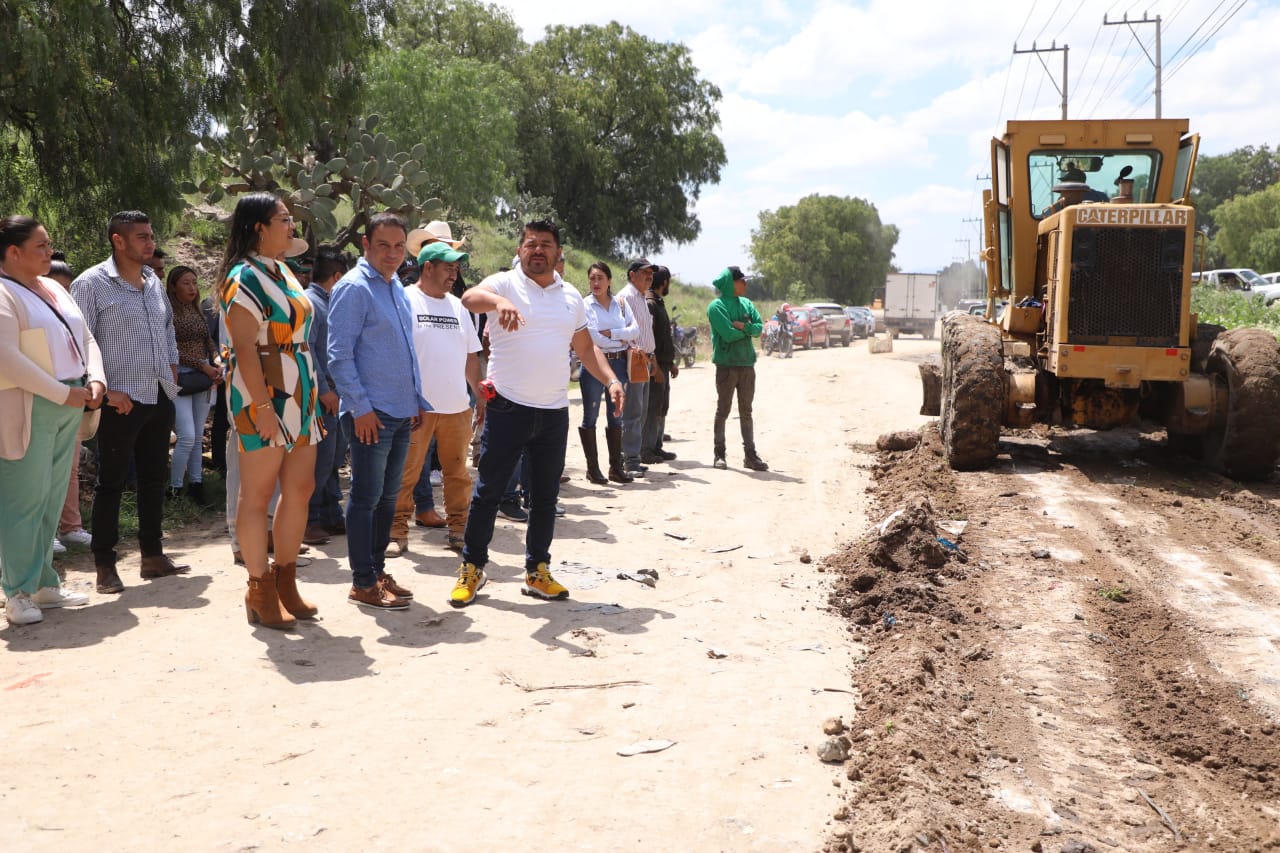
[271, 401]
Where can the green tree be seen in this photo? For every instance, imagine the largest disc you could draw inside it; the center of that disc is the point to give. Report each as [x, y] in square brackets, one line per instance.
[1249, 230]
[1221, 178]
[464, 28]
[836, 246]
[619, 132]
[460, 109]
[102, 101]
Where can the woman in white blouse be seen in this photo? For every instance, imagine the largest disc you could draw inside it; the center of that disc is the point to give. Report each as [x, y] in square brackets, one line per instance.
[612, 328]
[50, 372]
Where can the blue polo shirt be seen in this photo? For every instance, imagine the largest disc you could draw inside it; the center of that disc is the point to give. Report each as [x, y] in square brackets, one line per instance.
[371, 358]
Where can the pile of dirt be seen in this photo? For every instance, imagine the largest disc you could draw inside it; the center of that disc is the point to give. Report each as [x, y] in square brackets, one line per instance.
[914, 741]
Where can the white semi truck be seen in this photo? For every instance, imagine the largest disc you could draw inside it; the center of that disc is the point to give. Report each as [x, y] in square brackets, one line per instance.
[911, 304]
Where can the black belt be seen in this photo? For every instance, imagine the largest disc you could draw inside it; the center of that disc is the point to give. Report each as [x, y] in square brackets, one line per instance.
[614, 356]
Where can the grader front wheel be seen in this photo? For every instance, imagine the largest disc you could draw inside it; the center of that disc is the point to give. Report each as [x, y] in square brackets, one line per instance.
[1245, 363]
[973, 391]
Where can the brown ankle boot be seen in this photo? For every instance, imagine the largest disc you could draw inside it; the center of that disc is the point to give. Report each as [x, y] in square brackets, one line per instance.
[287, 589]
[262, 603]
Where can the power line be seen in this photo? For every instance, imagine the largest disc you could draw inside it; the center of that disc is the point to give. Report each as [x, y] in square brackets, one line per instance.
[1110, 48]
[1206, 39]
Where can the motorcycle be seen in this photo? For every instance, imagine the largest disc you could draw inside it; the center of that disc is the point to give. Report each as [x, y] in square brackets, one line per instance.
[777, 337]
[686, 341]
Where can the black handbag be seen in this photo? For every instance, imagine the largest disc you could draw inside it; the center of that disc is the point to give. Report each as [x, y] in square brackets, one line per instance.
[193, 382]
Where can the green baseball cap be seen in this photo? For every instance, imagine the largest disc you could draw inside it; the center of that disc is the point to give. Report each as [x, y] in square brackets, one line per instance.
[437, 252]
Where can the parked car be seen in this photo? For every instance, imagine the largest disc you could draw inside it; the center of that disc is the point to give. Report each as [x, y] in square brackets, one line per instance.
[810, 328]
[861, 320]
[838, 324]
[1229, 279]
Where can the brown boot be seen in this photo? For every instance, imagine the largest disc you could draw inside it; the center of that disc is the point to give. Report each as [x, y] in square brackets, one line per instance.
[262, 603]
[109, 580]
[287, 589]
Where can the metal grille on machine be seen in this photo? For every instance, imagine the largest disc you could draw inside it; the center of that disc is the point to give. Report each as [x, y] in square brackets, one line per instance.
[1126, 283]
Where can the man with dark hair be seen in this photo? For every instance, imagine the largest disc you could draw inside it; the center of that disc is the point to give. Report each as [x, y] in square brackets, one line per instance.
[156, 262]
[125, 306]
[533, 320]
[734, 322]
[639, 280]
[373, 368]
[324, 513]
[665, 369]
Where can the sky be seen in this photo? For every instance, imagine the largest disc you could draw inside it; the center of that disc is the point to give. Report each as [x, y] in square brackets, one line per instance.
[896, 101]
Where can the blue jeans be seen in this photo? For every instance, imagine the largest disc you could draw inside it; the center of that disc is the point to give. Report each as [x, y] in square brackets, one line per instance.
[325, 509]
[593, 392]
[189, 414]
[633, 419]
[510, 430]
[375, 485]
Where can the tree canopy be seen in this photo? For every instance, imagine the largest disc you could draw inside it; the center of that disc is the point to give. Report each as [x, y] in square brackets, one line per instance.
[834, 247]
[102, 101]
[619, 133]
[1227, 178]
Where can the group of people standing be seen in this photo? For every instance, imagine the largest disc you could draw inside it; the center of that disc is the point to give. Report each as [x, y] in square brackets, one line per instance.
[354, 363]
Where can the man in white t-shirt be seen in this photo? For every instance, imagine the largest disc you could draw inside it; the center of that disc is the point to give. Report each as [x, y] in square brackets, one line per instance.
[534, 317]
[446, 345]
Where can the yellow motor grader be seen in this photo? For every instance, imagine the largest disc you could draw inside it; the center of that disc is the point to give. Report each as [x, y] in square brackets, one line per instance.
[1090, 238]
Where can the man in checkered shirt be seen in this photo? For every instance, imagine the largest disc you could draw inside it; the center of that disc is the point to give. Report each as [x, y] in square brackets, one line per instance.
[125, 306]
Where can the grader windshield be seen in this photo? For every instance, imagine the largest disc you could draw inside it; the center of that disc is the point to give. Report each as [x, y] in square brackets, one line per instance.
[1102, 171]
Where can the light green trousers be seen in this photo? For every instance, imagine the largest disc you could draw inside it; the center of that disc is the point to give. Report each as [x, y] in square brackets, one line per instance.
[32, 491]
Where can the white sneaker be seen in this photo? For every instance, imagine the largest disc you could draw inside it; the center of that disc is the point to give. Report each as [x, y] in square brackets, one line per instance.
[20, 610]
[58, 547]
[79, 536]
[436, 477]
[56, 596]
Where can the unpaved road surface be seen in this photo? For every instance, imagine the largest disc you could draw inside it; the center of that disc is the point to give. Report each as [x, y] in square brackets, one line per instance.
[1005, 703]
[1101, 673]
[159, 719]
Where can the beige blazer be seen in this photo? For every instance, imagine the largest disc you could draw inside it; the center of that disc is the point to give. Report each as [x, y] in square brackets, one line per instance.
[28, 377]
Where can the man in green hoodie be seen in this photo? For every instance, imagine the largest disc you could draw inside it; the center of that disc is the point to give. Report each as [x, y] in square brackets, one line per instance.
[734, 322]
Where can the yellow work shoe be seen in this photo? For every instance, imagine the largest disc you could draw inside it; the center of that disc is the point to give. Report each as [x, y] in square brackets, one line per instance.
[538, 582]
[470, 579]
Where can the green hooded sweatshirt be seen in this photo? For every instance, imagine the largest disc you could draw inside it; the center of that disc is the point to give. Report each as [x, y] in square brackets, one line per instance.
[730, 346]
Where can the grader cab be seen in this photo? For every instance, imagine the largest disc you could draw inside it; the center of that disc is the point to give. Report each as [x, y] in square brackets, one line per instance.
[1090, 237]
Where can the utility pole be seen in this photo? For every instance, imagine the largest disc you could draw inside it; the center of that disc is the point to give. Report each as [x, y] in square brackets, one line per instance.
[1053, 48]
[1156, 61]
[968, 247]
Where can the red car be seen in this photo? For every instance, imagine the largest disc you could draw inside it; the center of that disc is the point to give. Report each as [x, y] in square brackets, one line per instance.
[809, 328]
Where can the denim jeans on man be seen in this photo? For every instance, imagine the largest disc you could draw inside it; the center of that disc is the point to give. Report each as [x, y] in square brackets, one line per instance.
[325, 508]
[371, 504]
[510, 430]
[633, 420]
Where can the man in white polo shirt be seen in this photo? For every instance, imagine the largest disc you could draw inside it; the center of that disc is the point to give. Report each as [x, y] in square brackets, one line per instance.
[446, 344]
[533, 318]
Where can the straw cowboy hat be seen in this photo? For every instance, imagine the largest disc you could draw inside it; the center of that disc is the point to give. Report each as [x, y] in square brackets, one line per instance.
[437, 231]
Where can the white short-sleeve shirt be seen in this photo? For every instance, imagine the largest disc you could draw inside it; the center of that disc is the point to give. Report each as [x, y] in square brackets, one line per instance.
[443, 335]
[530, 366]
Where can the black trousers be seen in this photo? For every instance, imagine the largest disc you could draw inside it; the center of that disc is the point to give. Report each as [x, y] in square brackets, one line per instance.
[143, 437]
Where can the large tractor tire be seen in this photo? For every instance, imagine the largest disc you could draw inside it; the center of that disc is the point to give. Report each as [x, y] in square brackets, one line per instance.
[1247, 445]
[973, 391]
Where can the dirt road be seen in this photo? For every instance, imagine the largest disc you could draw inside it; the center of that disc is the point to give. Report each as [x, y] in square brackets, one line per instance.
[160, 719]
[1102, 673]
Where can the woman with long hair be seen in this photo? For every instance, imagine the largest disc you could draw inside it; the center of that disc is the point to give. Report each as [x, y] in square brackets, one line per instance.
[272, 403]
[51, 371]
[611, 327]
[197, 359]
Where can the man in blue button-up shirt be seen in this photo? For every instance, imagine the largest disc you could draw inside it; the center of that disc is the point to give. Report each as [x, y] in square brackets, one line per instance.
[372, 364]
